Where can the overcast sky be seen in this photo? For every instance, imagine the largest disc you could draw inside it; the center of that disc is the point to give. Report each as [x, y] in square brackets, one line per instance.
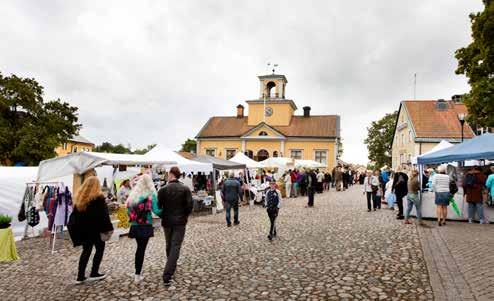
[145, 72]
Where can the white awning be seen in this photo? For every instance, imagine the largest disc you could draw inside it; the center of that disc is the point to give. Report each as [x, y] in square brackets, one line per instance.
[79, 163]
[308, 164]
[160, 152]
[243, 159]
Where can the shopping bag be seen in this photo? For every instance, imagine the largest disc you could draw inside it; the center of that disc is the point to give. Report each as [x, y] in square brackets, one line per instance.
[454, 206]
[391, 199]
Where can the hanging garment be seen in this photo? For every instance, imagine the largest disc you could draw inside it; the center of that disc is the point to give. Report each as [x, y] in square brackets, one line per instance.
[32, 216]
[27, 200]
[64, 208]
[52, 209]
[38, 199]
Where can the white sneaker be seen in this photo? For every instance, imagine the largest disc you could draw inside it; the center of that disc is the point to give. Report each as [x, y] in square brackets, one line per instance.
[138, 278]
[470, 221]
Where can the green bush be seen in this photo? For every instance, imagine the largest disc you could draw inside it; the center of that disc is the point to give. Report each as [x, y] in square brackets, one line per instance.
[5, 219]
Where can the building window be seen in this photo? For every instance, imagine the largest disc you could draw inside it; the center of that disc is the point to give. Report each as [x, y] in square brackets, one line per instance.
[263, 133]
[64, 146]
[402, 139]
[74, 149]
[409, 158]
[401, 158]
[249, 154]
[230, 153]
[409, 136]
[321, 157]
[262, 155]
[296, 154]
[211, 152]
[275, 154]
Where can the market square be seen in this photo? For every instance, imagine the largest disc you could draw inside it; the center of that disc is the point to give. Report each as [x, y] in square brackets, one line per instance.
[247, 151]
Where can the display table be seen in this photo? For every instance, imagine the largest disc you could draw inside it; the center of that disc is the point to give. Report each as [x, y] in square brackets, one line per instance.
[8, 251]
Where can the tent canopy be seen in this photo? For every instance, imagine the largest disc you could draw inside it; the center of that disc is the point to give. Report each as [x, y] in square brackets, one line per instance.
[243, 159]
[277, 162]
[159, 152]
[308, 164]
[218, 163]
[79, 163]
[442, 145]
[478, 148]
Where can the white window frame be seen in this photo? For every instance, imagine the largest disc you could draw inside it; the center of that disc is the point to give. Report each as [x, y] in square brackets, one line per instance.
[213, 150]
[297, 150]
[230, 149]
[74, 148]
[321, 151]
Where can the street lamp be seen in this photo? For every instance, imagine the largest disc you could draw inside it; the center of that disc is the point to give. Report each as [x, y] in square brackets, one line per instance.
[461, 118]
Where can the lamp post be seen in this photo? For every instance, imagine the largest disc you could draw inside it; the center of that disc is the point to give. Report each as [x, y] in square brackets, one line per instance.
[461, 118]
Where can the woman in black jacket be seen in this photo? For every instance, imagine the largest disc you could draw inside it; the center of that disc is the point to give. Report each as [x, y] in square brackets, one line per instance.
[400, 189]
[88, 221]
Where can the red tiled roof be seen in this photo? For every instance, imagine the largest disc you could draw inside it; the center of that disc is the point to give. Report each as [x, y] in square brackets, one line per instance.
[313, 126]
[430, 122]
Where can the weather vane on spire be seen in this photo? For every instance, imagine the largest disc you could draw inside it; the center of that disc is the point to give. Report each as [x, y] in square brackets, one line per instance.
[274, 66]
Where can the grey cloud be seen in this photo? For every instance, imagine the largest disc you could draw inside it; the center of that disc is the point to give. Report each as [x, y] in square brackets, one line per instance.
[155, 71]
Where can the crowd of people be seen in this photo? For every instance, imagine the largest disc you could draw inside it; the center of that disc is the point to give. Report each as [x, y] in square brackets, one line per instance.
[90, 224]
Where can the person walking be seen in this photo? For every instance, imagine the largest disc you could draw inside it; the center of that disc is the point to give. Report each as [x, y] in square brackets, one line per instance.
[141, 202]
[320, 181]
[370, 184]
[379, 193]
[338, 178]
[293, 176]
[440, 186]
[231, 193]
[288, 184]
[273, 205]
[88, 221]
[311, 182]
[413, 198]
[175, 201]
[473, 184]
[400, 189]
[489, 184]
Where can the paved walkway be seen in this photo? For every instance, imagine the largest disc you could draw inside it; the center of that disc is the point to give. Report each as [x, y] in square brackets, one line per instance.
[335, 251]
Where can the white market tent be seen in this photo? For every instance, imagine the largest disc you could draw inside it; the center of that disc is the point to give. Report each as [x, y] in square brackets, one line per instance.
[277, 162]
[79, 163]
[308, 164]
[159, 152]
[442, 145]
[243, 159]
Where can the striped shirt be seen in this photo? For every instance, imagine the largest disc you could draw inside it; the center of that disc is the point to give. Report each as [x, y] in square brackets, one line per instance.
[440, 183]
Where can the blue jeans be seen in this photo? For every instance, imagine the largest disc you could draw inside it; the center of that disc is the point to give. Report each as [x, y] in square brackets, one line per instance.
[228, 207]
[480, 211]
[413, 199]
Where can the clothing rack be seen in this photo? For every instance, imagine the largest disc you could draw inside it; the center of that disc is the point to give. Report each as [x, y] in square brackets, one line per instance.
[54, 227]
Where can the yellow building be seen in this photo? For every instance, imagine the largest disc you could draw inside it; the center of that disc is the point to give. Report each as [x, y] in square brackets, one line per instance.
[74, 145]
[271, 129]
[422, 124]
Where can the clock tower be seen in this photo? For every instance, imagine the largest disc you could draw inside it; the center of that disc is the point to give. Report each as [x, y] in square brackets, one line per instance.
[271, 107]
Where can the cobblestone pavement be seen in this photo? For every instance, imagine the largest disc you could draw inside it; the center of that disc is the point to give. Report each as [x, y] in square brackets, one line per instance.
[460, 258]
[335, 251]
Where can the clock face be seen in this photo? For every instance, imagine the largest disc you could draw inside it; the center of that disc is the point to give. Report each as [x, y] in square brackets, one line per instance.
[269, 111]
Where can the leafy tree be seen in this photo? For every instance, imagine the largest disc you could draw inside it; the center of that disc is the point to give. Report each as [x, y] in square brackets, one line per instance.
[144, 150]
[380, 138]
[476, 61]
[339, 143]
[30, 128]
[107, 147]
[189, 146]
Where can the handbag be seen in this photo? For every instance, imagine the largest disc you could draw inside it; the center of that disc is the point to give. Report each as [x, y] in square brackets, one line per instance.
[105, 236]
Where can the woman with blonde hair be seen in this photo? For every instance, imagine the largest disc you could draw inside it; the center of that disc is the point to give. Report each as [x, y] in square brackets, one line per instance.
[440, 186]
[89, 220]
[141, 202]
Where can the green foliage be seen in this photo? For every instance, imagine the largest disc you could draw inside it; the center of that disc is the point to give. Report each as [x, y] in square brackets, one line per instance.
[476, 61]
[5, 219]
[380, 138]
[30, 128]
[107, 147]
[339, 143]
[144, 150]
[189, 146]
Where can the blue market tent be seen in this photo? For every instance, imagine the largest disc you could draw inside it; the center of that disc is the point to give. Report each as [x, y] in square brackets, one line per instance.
[478, 148]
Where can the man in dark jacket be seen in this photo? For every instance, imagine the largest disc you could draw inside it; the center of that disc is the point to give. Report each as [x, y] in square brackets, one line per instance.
[176, 201]
[400, 189]
[311, 180]
[231, 193]
[473, 185]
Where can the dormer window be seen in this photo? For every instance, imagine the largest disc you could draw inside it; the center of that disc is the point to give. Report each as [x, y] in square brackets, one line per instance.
[263, 133]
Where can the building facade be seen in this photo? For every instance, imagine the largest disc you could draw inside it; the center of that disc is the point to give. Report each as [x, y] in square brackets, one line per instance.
[74, 145]
[422, 124]
[271, 129]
